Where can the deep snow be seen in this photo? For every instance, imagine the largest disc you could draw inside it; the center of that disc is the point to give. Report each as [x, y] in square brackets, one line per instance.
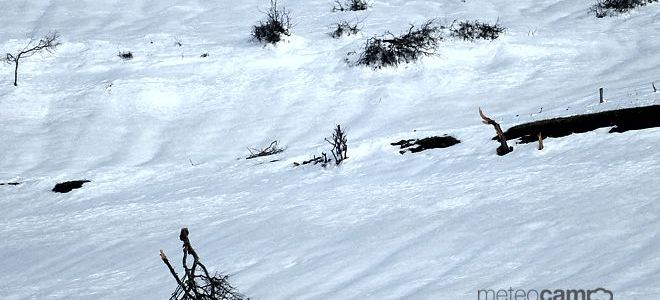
[441, 224]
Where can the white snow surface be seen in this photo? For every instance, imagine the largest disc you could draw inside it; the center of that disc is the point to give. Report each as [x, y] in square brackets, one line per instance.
[440, 224]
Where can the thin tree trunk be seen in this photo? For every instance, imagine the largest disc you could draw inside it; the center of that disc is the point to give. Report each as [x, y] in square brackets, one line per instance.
[16, 73]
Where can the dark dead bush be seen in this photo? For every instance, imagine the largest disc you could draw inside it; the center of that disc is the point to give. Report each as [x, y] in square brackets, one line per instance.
[352, 5]
[391, 50]
[339, 146]
[475, 30]
[339, 150]
[128, 55]
[272, 149]
[277, 25]
[604, 8]
[197, 283]
[344, 29]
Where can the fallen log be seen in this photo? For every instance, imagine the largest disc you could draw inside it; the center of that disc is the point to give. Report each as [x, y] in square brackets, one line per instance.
[621, 120]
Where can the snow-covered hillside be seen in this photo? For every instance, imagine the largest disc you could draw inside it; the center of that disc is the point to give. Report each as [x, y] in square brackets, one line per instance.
[440, 224]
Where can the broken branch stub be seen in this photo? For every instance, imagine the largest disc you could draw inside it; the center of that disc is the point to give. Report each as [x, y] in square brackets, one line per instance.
[503, 149]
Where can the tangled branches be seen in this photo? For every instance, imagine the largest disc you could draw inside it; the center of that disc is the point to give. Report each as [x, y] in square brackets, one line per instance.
[273, 148]
[345, 28]
[197, 283]
[338, 151]
[391, 50]
[474, 30]
[277, 24]
[339, 147]
[350, 5]
[604, 8]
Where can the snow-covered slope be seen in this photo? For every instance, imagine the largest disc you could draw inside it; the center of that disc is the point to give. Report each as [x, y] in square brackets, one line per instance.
[441, 224]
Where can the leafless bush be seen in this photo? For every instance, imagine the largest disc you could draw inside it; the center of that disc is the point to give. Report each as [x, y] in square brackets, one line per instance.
[391, 50]
[273, 148]
[352, 5]
[126, 55]
[338, 151]
[604, 8]
[474, 30]
[48, 43]
[197, 283]
[277, 24]
[345, 28]
[339, 146]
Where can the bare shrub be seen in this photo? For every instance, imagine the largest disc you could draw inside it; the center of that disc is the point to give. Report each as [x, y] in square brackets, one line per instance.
[48, 43]
[391, 50]
[339, 146]
[126, 55]
[339, 150]
[277, 24]
[475, 30]
[351, 5]
[345, 28]
[273, 148]
[197, 283]
[604, 8]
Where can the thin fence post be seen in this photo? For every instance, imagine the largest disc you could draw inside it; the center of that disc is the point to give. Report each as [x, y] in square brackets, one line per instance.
[601, 95]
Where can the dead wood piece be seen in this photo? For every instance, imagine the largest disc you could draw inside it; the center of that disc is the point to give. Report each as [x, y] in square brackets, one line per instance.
[503, 149]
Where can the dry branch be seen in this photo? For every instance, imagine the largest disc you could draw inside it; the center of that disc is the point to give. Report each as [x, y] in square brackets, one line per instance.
[503, 149]
[197, 283]
[273, 148]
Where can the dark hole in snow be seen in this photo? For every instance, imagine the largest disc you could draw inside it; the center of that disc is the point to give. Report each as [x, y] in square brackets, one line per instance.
[10, 183]
[621, 120]
[65, 187]
[419, 145]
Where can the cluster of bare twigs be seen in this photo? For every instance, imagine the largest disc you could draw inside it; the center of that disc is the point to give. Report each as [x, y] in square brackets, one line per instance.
[277, 25]
[339, 146]
[339, 150]
[391, 50]
[475, 30]
[604, 8]
[126, 55]
[197, 283]
[48, 43]
[273, 148]
[352, 5]
[345, 28]
[322, 159]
